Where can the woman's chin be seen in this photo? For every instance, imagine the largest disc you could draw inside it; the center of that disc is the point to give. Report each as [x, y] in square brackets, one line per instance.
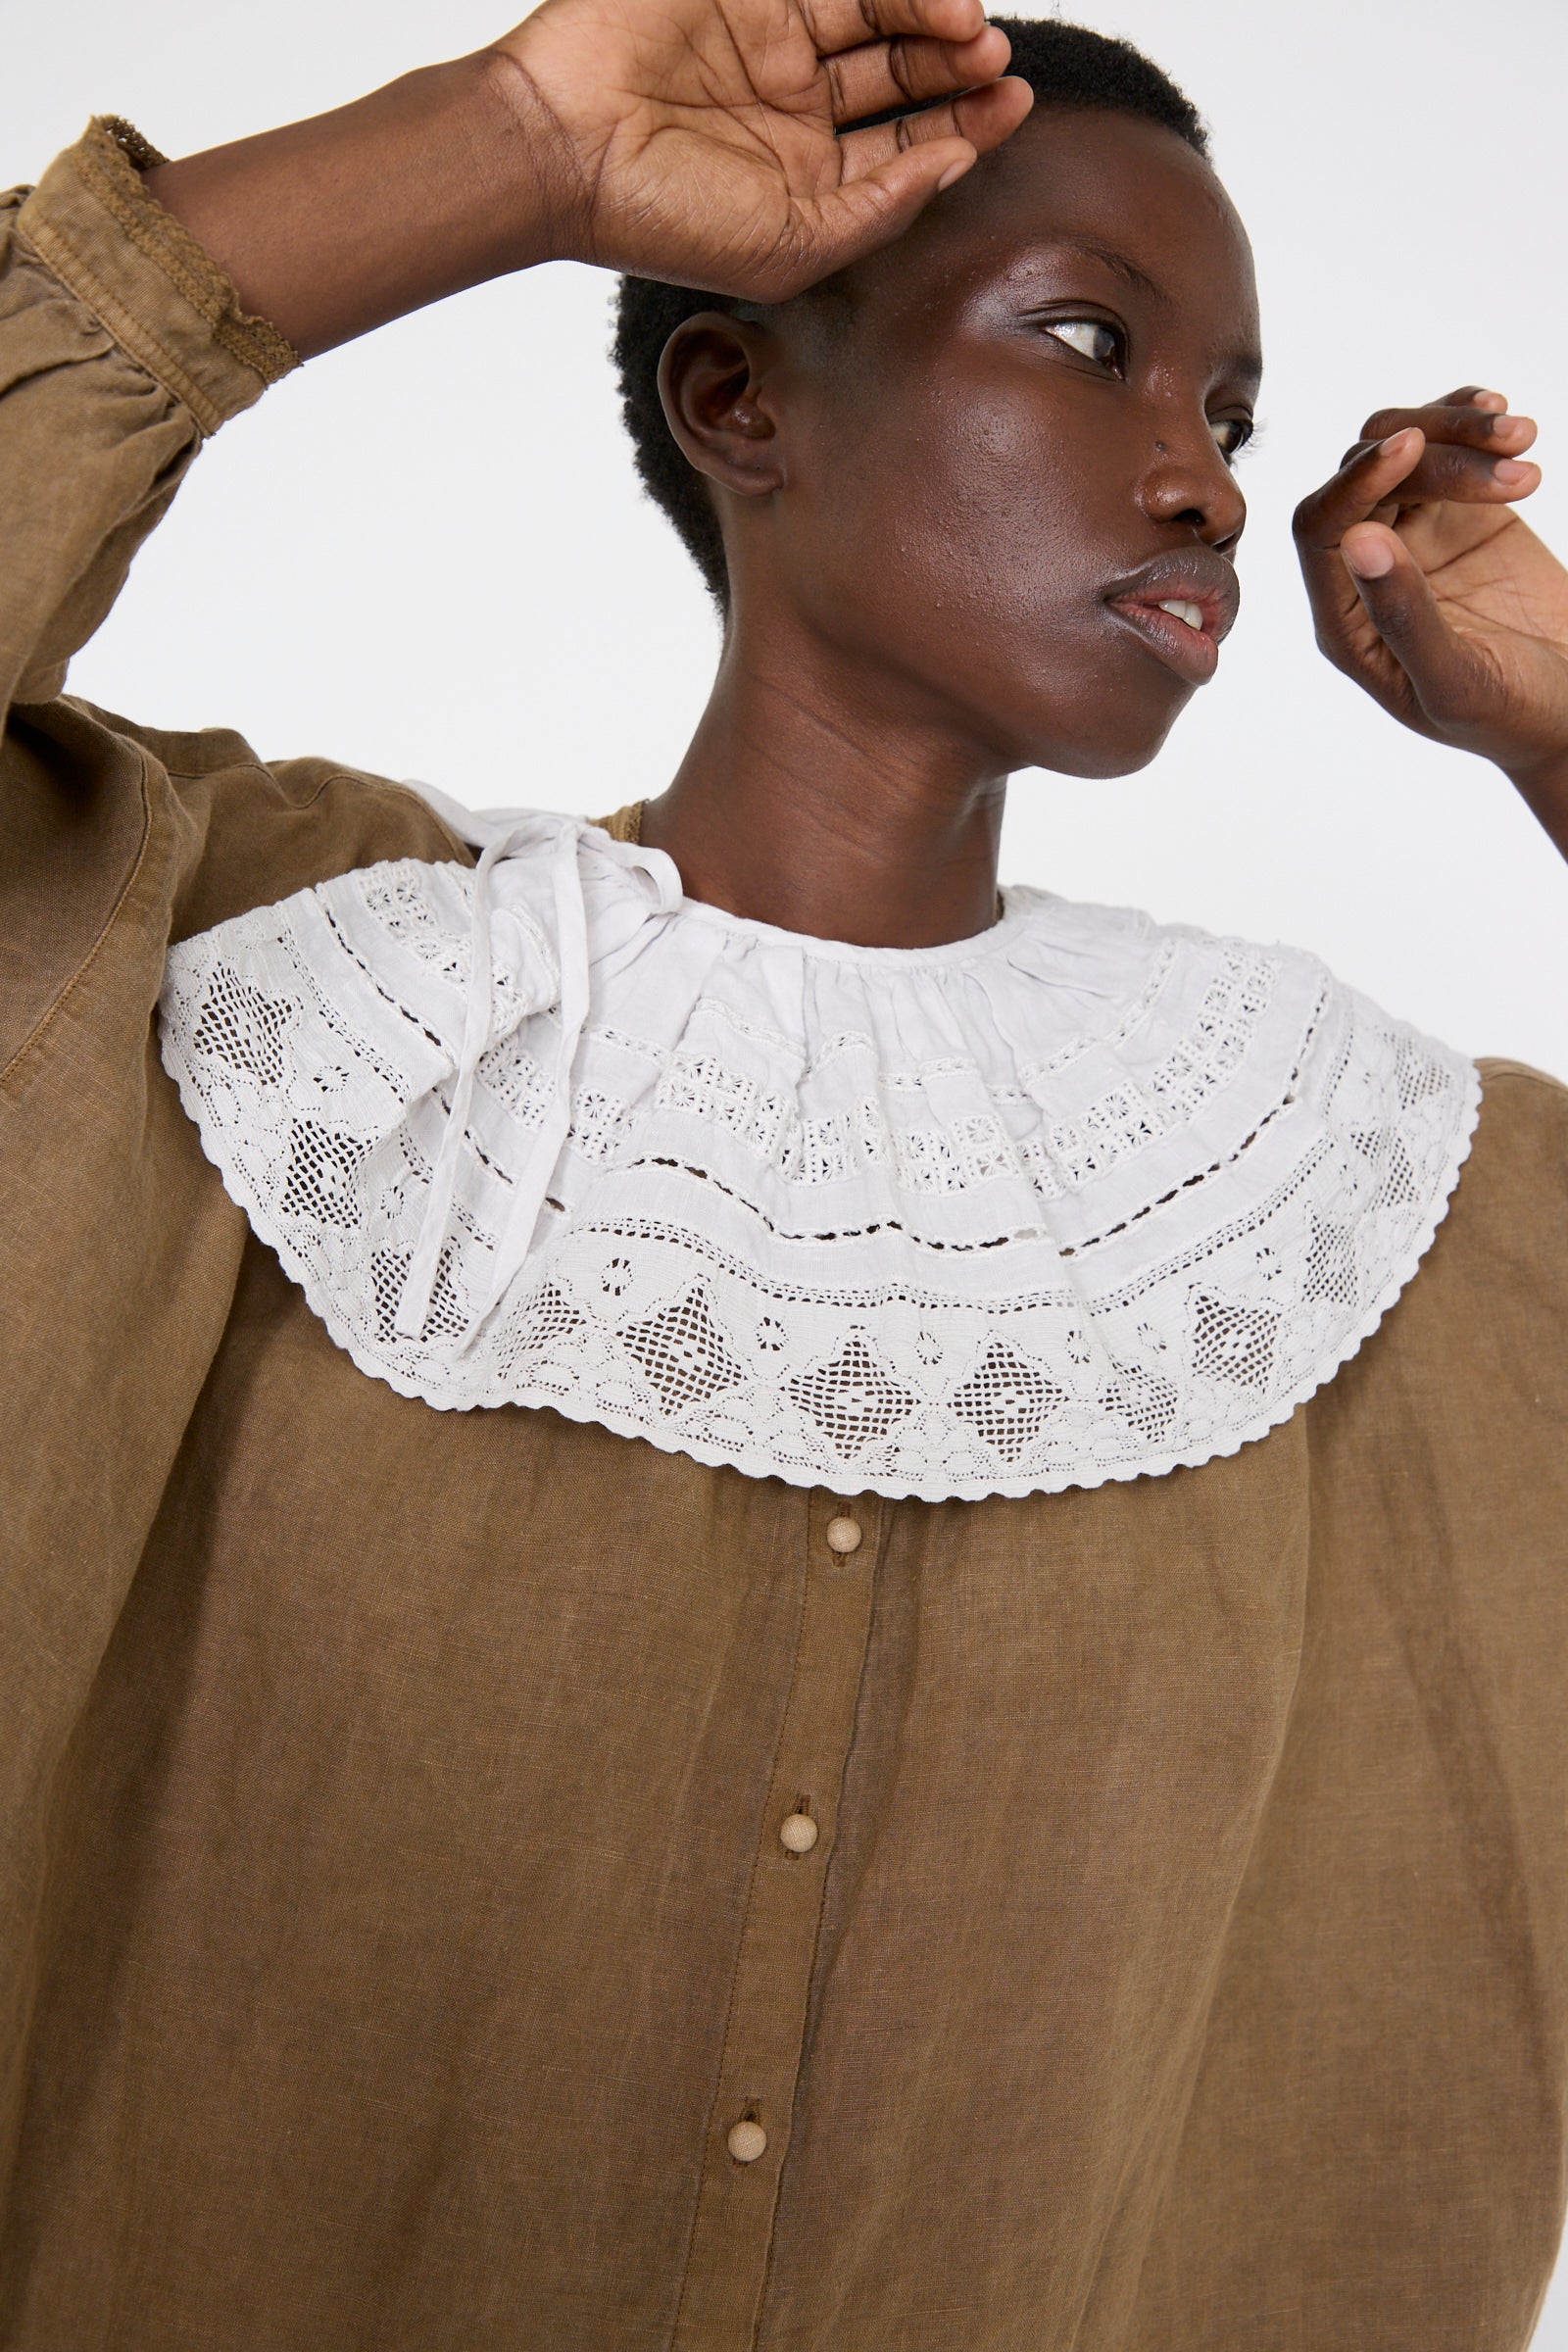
[1113, 726]
[1124, 755]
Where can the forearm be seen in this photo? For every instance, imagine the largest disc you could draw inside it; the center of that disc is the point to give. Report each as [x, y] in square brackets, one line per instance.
[331, 226]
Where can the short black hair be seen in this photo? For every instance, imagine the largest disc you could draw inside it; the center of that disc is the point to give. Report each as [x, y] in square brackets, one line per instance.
[1064, 65]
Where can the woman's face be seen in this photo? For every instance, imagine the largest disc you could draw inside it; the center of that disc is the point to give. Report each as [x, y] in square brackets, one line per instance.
[1004, 442]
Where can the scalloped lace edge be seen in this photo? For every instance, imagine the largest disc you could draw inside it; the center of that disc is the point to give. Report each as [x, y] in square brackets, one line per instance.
[1272, 1416]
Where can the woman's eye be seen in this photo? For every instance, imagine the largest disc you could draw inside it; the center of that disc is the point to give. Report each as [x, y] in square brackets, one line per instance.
[1233, 433]
[1091, 338]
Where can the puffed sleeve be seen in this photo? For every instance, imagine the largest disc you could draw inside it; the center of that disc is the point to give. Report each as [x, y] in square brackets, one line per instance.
[121, 348]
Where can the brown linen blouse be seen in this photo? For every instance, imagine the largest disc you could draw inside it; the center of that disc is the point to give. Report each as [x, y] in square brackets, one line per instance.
[398, 1922]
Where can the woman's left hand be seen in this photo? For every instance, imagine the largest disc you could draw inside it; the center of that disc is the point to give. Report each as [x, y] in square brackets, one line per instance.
[1430, 591]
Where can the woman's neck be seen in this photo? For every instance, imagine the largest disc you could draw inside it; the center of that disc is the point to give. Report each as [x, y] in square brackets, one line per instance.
[804, 804]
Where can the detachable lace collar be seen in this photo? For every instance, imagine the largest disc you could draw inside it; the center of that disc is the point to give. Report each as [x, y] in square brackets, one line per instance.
[1082, 1197]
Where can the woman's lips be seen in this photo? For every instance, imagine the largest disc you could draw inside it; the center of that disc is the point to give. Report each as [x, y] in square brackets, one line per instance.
[1193, 653]
[1182, 605]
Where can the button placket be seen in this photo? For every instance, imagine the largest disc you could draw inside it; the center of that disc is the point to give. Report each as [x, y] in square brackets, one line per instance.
[749, 2128]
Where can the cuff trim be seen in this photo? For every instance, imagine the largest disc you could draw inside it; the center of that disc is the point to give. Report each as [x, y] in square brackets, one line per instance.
[111, 160]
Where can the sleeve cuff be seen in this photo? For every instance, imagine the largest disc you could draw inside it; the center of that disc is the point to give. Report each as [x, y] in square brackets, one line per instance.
[157, 291]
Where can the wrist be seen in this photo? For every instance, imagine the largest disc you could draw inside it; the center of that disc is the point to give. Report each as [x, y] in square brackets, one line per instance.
[1542, 783]
[537, 176]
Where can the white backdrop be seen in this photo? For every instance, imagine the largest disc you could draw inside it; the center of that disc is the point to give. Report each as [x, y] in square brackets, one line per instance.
[427, 554]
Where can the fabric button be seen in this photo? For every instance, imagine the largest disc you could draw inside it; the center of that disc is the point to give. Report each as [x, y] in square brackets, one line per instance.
[746, 2142]
[844, 1535]
[797, 1831]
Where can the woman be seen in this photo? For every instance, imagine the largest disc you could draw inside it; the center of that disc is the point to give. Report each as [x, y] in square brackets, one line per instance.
[750, 1604]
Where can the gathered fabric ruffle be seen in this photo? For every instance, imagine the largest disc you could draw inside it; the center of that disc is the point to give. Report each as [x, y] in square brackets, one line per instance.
[1082, 1197]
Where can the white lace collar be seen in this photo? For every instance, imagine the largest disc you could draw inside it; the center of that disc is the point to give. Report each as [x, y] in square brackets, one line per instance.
[1082, 1197]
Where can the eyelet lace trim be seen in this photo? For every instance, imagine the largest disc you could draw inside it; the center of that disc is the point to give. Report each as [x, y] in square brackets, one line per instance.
[1083, 1199]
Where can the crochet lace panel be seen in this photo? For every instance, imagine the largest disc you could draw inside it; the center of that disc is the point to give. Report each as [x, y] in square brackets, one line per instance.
[1085, 1198]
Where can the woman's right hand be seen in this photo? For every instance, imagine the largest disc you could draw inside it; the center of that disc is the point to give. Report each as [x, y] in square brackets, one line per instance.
[707, 141]
[713, 145]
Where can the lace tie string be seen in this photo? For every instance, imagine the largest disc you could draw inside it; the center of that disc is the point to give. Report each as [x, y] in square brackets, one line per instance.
[515, 1237]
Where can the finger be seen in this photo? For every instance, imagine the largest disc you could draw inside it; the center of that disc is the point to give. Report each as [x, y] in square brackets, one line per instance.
[981, 119]
[1352, 496]
[1407, 470]
[880, 194]
[1368, 480]
[1447, 674]
[910, 72]
[1467, 476]
[839, 24]
[1473, 396]
[834, 229]
[1461, 423]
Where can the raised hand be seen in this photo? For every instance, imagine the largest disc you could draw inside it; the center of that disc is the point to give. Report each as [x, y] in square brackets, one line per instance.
[1436, 597]
[715, 145]
[707, 141]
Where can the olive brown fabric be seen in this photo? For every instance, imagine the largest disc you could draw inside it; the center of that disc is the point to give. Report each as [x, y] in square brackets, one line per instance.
[398, 1928]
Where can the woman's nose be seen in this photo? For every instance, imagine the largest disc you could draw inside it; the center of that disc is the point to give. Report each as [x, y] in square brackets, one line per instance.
[1188, 480]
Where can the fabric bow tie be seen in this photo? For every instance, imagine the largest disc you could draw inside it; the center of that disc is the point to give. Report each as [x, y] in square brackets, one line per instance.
[568, 844]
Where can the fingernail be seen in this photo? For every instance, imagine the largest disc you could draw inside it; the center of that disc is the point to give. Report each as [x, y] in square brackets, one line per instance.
[1489, 399]
[1369, 559]
[954, 172]
[1394, 440]
[1510, 471]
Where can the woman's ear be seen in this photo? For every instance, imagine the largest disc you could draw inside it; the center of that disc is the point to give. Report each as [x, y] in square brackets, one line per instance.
[712, 383]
